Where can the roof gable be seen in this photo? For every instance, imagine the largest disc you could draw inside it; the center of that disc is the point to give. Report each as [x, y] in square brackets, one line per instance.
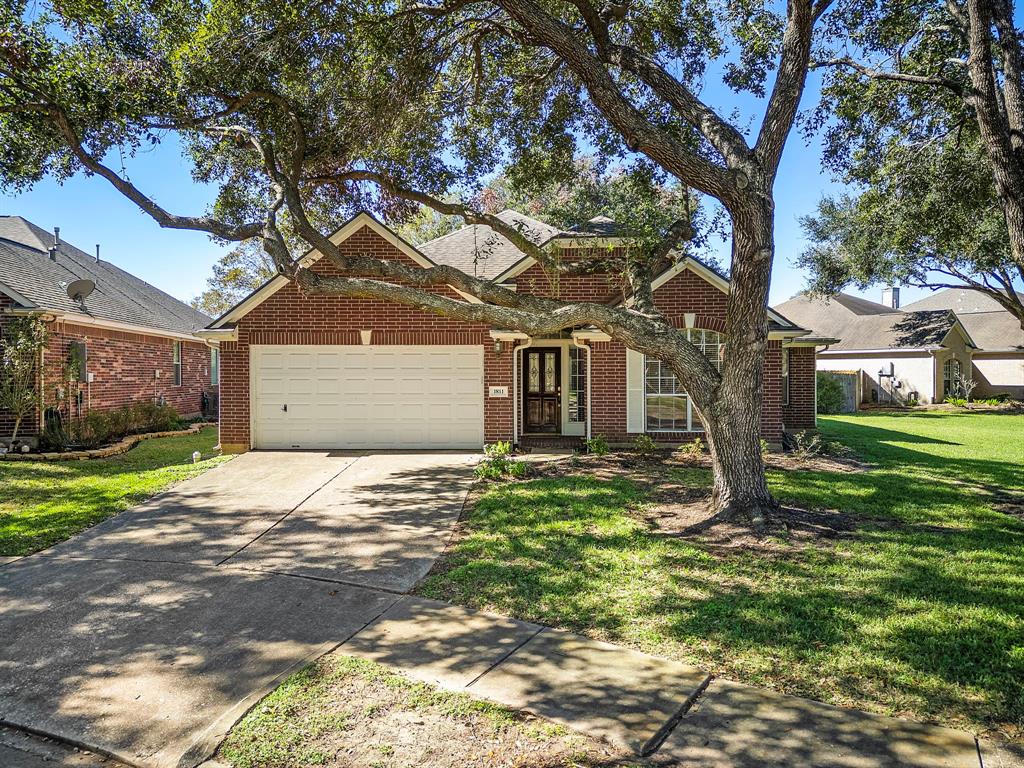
[340, 235]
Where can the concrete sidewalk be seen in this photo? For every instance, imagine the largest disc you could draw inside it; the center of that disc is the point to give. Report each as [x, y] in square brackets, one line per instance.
[671, 712]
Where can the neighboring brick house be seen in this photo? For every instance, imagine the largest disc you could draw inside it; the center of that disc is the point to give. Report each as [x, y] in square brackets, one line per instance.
[329, 372]
[139, 342]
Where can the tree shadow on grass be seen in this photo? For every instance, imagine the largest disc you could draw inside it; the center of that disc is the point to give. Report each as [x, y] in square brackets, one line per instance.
[904, 619]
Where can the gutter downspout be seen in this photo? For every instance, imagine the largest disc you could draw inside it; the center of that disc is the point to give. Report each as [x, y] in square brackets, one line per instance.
[515, 388]
[577, 343]
[216, 347]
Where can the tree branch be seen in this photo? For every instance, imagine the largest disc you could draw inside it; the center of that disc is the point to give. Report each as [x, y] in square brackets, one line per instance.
[881, 74]
[789, 83]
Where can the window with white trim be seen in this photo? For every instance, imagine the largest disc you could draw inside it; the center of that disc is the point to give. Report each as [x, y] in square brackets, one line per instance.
[214, 367]
[951, 377]
[785, 377]
[577, 385]
[177, 363]
[667, 405]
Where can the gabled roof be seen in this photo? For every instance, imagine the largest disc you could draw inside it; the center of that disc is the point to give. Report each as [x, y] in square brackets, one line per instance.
[35, 281]
[863, 325]
[478, 250]
[342, 233]
[963, 301]
[994, 330]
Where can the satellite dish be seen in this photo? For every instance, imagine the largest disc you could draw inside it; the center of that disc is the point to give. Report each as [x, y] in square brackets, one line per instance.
[79, 290]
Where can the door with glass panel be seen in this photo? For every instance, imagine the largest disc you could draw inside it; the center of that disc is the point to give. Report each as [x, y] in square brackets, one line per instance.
[542, 391]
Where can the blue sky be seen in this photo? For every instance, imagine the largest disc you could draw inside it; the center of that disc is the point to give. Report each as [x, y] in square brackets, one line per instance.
[90, 211]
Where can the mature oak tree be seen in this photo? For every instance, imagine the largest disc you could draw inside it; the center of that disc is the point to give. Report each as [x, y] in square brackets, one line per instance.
[928, 125]
[312, 108]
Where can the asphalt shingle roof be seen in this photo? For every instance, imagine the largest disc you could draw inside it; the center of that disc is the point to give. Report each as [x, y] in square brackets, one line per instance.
[26, 268]
[478, 250]
[994, 330]
[961, 300]
[862, 324]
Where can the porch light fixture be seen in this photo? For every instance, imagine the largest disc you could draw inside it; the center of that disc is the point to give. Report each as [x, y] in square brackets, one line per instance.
[499, 345]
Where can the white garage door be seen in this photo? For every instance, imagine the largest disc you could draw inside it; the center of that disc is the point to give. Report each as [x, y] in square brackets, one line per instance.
[367, 397]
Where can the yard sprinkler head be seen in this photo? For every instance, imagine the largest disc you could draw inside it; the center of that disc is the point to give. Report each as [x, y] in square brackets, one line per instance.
[196, 456]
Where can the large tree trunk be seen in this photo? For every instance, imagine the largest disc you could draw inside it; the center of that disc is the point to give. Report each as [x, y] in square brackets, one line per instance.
[740, 490]
[733, 418]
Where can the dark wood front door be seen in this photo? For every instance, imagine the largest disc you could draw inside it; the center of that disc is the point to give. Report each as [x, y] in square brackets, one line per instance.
[543, 390]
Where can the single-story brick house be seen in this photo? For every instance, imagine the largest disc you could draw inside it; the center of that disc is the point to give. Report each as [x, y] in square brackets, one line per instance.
[138, 342]
[327, 372]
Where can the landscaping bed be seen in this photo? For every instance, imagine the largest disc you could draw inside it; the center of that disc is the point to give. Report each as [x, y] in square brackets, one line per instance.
[44, 502]
[893, 582]
[343, 711]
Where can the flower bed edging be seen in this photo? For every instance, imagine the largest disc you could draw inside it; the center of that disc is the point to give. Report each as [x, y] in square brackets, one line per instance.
[123, 445]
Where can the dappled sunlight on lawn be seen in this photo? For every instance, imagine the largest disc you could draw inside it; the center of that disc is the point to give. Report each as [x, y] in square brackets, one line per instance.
[43, 502]
[919, 613]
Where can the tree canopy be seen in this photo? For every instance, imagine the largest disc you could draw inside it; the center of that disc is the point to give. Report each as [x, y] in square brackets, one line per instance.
[302, 112]
[926, 123]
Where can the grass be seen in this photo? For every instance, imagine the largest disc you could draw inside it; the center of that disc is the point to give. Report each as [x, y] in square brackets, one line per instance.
[348, 711]
[43, 502]
[920, 614]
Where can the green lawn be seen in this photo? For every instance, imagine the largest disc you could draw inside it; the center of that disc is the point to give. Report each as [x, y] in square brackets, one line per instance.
[43, 502]
[921, 615]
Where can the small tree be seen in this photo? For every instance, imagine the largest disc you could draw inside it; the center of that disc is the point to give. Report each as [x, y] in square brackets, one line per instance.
[830, 394]
[23, 338]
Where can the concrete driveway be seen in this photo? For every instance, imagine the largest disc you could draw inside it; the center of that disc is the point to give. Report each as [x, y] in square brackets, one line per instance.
[148, 636]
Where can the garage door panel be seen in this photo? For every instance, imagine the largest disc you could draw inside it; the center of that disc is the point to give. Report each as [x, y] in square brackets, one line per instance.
[367, 397]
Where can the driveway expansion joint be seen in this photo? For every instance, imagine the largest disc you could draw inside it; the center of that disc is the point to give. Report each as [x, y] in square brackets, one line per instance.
[655, 742]
[287, 514]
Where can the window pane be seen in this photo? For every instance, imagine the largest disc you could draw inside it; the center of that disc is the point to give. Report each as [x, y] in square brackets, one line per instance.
[549, 371]
[666, 412]
[534, 373]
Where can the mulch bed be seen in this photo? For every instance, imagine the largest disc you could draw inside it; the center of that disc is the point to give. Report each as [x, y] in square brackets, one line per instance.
[683, 511]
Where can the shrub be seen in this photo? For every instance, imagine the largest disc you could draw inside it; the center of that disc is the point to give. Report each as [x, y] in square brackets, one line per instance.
[498, 450]
[765, 448]
[517, 469]
[496, 463]
[645, 446]
[597, 445]
[696, 448]
[98, 428]
[959, 402]
[830, 394]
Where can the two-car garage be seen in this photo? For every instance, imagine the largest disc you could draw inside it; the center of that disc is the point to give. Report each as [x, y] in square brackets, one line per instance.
[368, 396]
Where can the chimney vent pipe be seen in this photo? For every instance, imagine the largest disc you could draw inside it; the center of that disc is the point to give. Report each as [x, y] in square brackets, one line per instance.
[56, 236]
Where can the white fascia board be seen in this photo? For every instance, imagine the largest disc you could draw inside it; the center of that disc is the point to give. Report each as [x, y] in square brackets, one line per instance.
[885, 351]
[500, 334]
[591, 334]
[515, 270]
[72, 318]
[794, 334]
[340, 235]
[218, 334]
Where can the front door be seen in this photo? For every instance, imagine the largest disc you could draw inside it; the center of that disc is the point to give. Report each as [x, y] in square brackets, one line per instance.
[543, 390]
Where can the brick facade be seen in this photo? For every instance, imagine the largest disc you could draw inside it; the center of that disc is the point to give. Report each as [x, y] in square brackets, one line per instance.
[289, 317]
[800, 412]
[124, 367]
